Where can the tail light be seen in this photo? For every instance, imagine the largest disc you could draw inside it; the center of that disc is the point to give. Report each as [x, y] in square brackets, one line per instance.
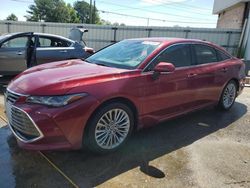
[242, 72]
[242, 75]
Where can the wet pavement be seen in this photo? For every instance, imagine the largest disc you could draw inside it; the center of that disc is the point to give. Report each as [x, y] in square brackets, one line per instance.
[207, 148]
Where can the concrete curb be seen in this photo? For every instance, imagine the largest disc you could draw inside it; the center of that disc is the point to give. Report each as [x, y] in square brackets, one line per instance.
[247, 83]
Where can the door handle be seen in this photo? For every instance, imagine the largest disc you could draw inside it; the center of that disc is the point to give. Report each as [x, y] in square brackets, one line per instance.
[224, 69]
[191, 75]
[19, 53]
[63, 51]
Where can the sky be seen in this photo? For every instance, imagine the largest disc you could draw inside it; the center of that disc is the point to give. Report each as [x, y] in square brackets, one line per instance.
[184, 13]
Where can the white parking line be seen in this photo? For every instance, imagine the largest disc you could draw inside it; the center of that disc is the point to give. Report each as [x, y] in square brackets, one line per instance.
[58, 170]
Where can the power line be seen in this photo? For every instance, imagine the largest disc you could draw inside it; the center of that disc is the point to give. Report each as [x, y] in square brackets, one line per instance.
[184, 4]
[23, 1]
[142, 9]
[175, 8]
[198, 9]
[179, 8]
[163, 20]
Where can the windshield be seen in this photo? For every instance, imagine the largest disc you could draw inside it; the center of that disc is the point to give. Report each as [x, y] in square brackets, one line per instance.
[126, 54]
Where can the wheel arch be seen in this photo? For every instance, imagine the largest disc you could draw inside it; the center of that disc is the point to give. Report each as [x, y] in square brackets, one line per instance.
[123, 100]
[236, 81]
[232, 79]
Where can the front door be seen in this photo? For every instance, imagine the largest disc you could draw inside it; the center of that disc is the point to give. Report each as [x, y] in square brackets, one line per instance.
[13, 55]
[170, 93]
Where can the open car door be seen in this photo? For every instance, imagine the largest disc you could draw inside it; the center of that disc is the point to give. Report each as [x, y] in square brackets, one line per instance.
[13, 53]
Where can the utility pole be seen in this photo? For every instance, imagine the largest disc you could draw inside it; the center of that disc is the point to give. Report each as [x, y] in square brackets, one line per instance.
[90, 12]
[93, 17]
[148, 22]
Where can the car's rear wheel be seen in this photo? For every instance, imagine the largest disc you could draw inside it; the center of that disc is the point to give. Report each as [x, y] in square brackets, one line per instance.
[109, 128]
[228, 96]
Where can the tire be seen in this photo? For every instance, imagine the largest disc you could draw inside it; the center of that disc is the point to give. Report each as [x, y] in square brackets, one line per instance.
[228, 96]
[109, 128]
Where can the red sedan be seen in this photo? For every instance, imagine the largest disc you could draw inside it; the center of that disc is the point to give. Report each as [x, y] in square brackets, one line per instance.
[130, 85]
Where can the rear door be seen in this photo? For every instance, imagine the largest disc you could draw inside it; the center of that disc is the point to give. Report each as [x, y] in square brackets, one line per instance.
[51, 49]
[13, 54]
[210, 73]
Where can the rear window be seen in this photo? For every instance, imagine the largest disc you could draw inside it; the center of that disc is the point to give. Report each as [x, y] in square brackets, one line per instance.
[222, 56]
[52, 42]
[205, 54]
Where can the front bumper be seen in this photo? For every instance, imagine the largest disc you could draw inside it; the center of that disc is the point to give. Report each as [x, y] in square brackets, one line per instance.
[59, 128]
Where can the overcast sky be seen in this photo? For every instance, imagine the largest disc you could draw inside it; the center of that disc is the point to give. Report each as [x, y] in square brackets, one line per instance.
[192, 13]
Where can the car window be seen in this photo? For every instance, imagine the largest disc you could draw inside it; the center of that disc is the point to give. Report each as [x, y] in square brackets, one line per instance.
[179, 55]
[4, 36]
[52, 42]
[222, 56]
[19, 42]
[204, 54]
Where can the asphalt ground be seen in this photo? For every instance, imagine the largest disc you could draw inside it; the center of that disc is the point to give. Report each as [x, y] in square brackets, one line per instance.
[207, 148]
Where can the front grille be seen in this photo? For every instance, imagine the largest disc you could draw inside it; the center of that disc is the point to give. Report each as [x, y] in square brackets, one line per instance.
[22, 125]
[20, 122]
[11, 97]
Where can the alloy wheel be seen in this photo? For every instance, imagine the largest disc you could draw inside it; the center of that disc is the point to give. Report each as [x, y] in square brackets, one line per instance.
[229, 95]
[112, 128]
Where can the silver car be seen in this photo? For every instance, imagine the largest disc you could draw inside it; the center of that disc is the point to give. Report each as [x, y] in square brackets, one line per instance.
[19, 51]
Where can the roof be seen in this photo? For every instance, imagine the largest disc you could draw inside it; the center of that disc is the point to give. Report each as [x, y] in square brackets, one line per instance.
[166, 39]
[41, 34]
[221, 5]
[52, 35]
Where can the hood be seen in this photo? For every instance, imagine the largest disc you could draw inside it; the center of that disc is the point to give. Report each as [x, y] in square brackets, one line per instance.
[59, 77]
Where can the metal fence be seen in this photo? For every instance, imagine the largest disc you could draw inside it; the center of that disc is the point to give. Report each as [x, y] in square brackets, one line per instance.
[100, 36]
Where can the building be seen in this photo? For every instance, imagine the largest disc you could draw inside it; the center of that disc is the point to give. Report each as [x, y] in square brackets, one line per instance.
[231, 13]
[235, 14]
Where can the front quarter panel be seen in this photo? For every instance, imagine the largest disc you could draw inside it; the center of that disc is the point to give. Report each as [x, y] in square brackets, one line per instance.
[128, 85]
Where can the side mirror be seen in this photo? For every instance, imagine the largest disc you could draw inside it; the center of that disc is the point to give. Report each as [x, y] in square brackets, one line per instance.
[164, 67]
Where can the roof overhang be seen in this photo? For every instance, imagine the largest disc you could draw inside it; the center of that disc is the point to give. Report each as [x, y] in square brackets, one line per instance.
[222, 5]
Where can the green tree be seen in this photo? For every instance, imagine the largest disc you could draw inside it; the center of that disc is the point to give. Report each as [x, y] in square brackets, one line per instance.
[73, 17]
[117, 24]
[83, 12]
[105, 22]
[12, 17]
[51, 11]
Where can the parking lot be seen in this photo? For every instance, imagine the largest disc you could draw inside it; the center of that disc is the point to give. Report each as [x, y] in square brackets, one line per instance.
[208, 148]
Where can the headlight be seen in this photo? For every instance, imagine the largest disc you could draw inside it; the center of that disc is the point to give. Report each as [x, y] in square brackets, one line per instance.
[55, 101]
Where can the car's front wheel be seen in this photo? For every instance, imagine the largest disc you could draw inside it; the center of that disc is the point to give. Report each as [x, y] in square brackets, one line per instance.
[228, 96]
[109, 128]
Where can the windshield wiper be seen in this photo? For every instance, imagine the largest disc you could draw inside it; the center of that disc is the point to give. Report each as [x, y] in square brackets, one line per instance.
[86, 60]
[102, 64]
